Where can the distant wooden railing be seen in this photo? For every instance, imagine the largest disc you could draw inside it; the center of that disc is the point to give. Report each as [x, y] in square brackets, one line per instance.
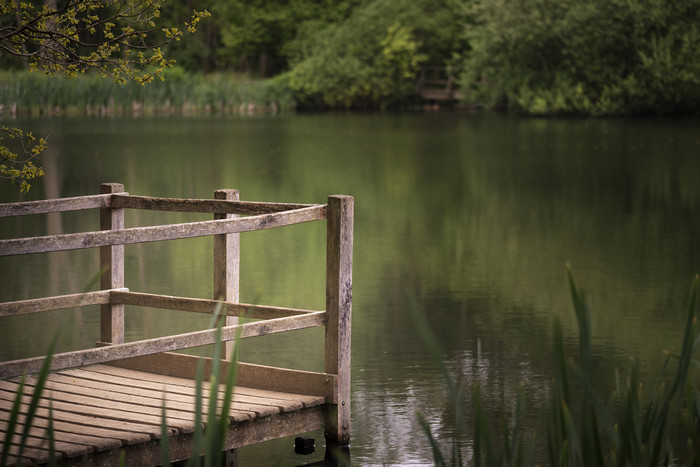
[333, 383]
[437, 84]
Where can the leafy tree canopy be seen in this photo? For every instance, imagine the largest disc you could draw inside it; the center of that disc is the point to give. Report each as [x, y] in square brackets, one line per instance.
[372, 58]
[121, 39]
[593, 57]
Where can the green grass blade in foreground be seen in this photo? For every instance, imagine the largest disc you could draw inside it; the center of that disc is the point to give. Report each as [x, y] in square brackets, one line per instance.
[38, 391]
[438, 457]
[164, 435]
[50, 433]
[210, 441]
[12, 423]
[655, 430]
[231, 375]
[455, 391]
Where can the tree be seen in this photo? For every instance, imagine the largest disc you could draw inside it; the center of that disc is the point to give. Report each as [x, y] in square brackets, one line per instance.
[121, 39]
[371, 59]
[259, 36]
[590, 57]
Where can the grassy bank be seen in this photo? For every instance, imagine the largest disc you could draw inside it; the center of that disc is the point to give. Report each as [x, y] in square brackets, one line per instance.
[25, 93]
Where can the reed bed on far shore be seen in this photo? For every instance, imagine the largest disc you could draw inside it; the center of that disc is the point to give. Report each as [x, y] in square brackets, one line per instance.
[25, 93]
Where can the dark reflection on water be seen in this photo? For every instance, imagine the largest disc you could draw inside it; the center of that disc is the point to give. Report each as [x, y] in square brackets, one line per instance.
[473, 215]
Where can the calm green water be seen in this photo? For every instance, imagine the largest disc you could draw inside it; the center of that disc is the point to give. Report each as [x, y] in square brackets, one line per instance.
[473, 215]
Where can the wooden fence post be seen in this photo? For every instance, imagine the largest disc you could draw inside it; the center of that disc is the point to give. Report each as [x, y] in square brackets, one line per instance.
[339, 238]
[112, 270]
[227, 263]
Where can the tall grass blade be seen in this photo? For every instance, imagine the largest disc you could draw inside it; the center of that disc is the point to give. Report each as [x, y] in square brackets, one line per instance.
[38, 391]
[438, 457]
[12, 423]
[164, 435]
[210, 441]
[53, 462]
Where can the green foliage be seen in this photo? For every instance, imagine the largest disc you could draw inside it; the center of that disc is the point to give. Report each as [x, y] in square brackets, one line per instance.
[260, 36]
[17, 151]
[370, 60]
[121, 39]
[584, 430]
[593, 57]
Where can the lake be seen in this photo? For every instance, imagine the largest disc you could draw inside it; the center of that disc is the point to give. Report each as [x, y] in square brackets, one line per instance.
[470, 218]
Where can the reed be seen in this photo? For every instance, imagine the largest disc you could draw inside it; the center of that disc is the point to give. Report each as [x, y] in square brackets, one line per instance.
[211, 439]
[16, 411]
[584, 429]
[33, 93]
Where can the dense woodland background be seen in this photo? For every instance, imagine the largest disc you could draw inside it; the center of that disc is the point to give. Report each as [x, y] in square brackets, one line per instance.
[590, 57]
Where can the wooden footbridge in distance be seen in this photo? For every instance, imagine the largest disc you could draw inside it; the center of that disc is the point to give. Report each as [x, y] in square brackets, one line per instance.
[106, 403]
[437, 84]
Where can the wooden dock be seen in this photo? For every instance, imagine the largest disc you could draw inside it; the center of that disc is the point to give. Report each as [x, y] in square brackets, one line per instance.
[106, 403]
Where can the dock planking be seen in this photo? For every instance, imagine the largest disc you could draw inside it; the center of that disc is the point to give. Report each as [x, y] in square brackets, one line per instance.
[101, 408]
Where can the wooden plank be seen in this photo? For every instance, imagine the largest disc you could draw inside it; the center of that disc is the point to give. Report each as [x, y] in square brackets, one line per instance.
[227, 250]
[114, 411]
[258, 402]
[87, 394]
[55, 205]
[56, 303]
[66, 449]
[112, 270]
[111, 353]
[208, 206]
[96, 381]
[110, 414]
[124, 437]
[156, 233]
[84, 404]
[240, 434]
[249, 375]
[267, 428]
[75, 435]
[138, 395]
[173, 389]
[286, 380]
[339, 238]
[199, 305]
[131, 431]
[30, 456]
[306, 400]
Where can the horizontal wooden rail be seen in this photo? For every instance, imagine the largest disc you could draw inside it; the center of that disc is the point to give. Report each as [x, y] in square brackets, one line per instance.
[55, 205]
[156, 233]
[124, 200]
[200, 305]
[249, 374]
[115, 352]
[210, 206]
[35, 305]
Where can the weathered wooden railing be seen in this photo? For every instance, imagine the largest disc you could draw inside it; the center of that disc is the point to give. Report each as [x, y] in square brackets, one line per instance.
[231, 216]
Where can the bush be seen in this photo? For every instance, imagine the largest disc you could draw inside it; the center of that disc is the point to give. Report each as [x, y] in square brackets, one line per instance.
[592, 57]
